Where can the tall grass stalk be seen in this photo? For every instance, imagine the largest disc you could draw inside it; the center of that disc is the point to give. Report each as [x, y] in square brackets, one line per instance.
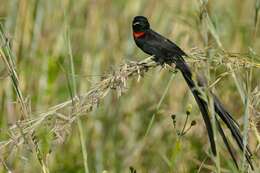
[8, 58]
[209, 33]
[39, 108]
[73, 93]
[30, 140]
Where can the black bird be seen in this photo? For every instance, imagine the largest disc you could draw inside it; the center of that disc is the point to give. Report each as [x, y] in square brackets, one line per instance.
[167, 52]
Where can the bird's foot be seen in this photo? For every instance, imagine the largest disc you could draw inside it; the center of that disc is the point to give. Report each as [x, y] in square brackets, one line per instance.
[173, 65]
[172, 68]
[162, 64]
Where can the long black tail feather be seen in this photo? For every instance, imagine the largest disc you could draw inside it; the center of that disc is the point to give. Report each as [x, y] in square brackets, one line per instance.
[225, 140]
[220, 110]
[232, 126]
[231, 123]
[203, 106]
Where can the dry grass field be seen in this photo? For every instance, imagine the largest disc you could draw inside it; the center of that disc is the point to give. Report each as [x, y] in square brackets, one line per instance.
[74, 96]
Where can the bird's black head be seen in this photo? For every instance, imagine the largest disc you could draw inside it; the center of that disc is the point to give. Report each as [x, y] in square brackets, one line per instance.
[140, 24]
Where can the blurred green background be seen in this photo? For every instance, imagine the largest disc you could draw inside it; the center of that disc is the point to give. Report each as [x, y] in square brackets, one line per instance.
[97, 34]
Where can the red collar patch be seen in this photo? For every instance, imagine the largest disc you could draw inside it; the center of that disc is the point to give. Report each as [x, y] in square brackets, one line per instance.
[139, 34]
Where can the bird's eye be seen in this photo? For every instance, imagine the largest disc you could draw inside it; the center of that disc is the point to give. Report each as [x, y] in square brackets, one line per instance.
[136, 24]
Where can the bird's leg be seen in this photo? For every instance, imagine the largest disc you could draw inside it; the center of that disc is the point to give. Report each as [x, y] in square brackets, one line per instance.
[173, 65]
[172, 68]
[159, 62]
[162, 66]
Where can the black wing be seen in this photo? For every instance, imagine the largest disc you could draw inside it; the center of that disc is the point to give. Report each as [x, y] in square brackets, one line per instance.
[167, 45]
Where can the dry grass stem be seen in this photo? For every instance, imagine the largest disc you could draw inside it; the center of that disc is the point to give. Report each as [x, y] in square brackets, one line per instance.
[84, 103]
